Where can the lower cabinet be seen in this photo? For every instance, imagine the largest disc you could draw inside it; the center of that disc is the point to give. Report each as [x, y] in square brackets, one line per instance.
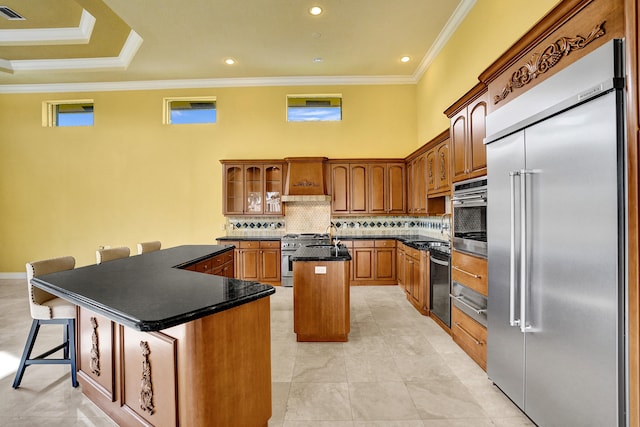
[470, 335]
[400, 254]
[219, 265]
[373, 262]
[257, 260]
[416, 278]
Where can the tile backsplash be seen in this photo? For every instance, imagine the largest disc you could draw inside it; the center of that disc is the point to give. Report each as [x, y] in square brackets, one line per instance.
[315, 217]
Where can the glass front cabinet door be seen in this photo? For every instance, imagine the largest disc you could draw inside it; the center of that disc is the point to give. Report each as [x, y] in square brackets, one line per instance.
[273, 189]
[253, 189]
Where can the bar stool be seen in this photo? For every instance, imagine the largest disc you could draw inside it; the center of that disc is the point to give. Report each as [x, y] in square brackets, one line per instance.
[104, 255]
[145, 247]
[48, 309]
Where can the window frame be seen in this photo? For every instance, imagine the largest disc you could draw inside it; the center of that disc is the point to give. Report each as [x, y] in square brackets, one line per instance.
[50, 112]
[309, 97]
[166, 108]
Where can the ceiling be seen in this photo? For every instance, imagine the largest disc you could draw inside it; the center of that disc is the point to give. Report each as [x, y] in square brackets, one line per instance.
[177, 43]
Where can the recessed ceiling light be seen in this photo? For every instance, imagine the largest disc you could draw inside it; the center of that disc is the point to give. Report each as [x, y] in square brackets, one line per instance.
[229, 61]
[318, 59]
[405, 59]
[315, 10]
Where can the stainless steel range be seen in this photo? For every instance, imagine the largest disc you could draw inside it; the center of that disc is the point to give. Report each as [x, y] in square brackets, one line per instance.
[290, 244]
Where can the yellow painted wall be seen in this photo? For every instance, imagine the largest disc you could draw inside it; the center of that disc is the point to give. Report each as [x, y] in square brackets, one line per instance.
[129, 178]
[489, 29]
[65, 191]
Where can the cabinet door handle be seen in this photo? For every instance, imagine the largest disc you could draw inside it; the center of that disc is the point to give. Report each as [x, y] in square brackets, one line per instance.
[475, 276]
[467, 333]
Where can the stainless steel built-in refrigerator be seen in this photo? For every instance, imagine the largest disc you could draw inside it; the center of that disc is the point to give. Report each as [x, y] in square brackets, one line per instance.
[556, 223]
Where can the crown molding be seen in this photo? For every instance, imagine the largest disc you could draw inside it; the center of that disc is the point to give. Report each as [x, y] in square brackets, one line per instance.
[450, 27]
[120, 62]
[207, 83]
[50, 36]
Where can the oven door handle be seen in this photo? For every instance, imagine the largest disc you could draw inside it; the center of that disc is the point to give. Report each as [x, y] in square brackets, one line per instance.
[470, 202]
[461, 300]
[439, 262]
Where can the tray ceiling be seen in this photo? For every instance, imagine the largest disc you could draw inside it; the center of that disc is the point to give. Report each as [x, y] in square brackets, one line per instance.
[178, 43]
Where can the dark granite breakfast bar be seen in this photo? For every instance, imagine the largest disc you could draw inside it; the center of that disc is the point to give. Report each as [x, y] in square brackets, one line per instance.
[160, 345]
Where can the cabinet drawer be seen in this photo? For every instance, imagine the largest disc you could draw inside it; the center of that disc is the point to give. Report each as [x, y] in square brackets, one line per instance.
[412, 252]
[363, 244]
[385, 243]
[470, 271]
[470, 336]
[270, 244]
[205, 266]
[249, 244]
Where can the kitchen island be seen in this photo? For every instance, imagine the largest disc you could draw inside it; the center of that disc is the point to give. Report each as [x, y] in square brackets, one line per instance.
[321, 309]
[161, 345]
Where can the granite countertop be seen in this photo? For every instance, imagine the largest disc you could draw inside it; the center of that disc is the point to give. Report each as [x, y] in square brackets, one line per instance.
[148, 293]
[242, 238]
[408, 239]
[321, 253]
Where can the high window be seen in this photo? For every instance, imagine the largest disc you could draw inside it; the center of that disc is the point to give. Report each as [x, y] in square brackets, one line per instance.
[68, 113]
[314, 108]
[179, 111]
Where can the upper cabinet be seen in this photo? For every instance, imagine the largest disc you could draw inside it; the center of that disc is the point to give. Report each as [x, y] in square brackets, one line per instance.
[368, 188]
[438, 168]
[252, 188]
[418, 188]
[428, 177]
[387, 188]
[467, 150]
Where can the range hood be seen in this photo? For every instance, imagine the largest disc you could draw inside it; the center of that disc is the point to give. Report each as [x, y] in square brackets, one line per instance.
[305, 180]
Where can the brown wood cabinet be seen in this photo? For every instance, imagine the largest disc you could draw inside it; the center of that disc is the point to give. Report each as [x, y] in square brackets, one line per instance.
[470, 336]
[368, 188]
[467, 150]
[219, 265]
[252, 188]
[340, 191]
[416, 278]
[259, 260]
[373, 262]
[400, 256]
[321, 306]
[387, 189]
[428, 177]
[438, 176]
[418, 189]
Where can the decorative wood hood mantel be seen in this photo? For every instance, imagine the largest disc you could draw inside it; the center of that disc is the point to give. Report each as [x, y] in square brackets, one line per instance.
[305, 180]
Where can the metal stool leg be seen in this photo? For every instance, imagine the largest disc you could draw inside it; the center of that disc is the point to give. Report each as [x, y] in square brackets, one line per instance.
[68, 347]
[71, 349]
[26, 354]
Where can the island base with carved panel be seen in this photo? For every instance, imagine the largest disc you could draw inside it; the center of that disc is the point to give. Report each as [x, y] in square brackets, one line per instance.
[213, 371]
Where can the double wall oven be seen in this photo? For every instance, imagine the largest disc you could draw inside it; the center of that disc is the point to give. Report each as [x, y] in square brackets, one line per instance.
[291, 243]
[470, 237]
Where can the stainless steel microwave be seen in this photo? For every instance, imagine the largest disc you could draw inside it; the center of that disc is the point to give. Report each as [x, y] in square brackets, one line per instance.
[470, 216]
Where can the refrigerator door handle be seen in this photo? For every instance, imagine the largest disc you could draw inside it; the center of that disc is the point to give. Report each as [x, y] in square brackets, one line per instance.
[524, 274]
[512, 251]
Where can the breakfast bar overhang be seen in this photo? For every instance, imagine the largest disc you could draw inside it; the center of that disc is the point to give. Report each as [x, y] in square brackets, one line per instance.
[164, 346]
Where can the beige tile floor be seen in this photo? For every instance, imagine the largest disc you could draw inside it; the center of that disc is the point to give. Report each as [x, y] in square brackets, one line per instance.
[399, 369]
